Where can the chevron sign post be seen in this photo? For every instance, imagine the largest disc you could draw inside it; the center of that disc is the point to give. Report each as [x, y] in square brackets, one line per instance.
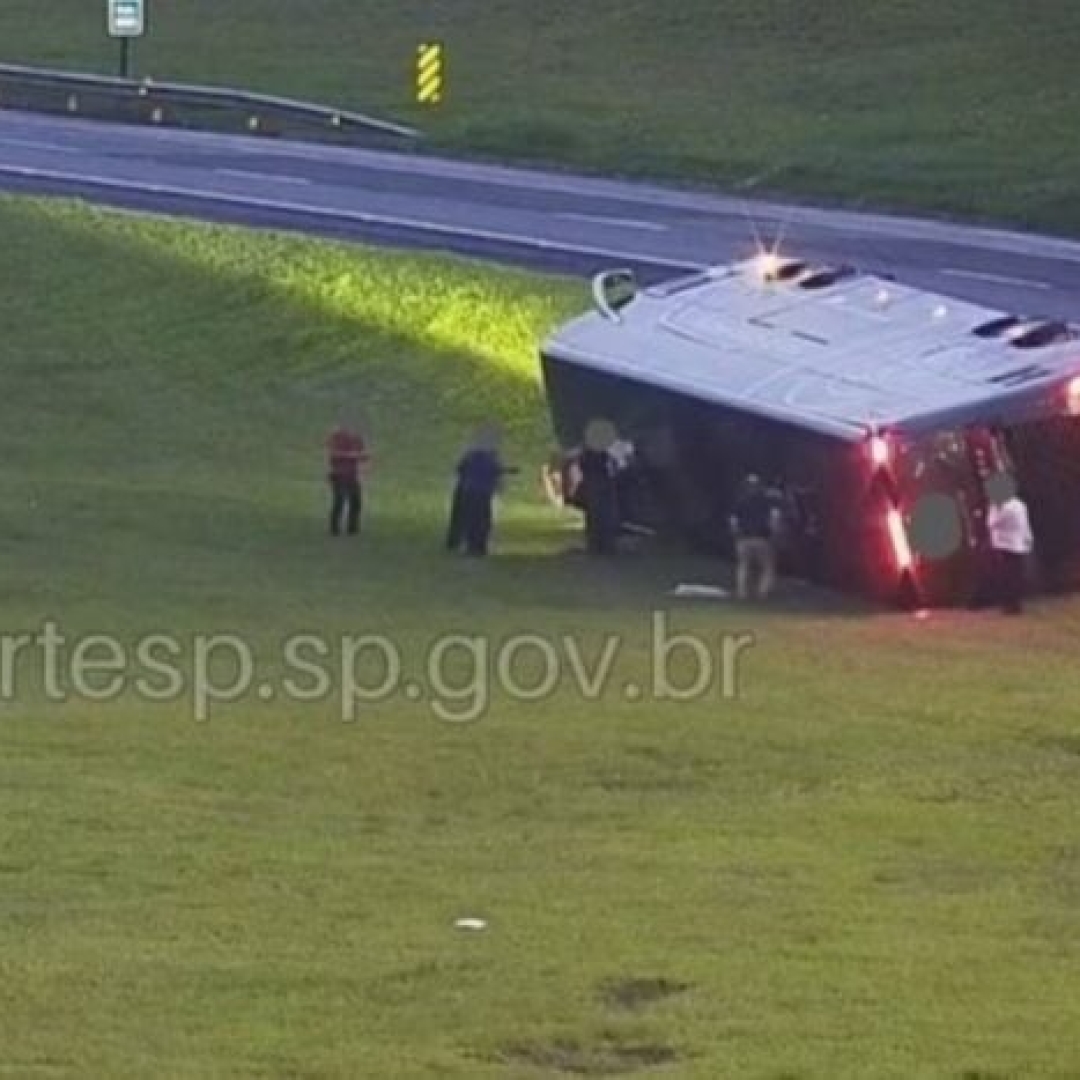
[429, 74]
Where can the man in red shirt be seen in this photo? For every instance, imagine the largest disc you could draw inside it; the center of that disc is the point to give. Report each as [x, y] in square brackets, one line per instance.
[345, 453]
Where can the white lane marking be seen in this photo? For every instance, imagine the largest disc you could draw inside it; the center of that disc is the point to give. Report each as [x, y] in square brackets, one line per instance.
[250, 174]
[621, 223]
[361, 217]
[996, 279]
[33, 144]
[860, 225]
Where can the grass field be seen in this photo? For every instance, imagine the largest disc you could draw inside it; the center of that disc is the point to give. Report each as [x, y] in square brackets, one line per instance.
[965, 107]
[865, 865]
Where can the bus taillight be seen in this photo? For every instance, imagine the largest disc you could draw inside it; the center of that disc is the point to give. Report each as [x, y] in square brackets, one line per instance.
[879, 451]
[1072, 396]
[898, 538]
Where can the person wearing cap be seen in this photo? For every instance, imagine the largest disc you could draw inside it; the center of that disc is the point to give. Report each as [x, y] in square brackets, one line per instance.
[755, 523]
[346, 453]
[1011, 541]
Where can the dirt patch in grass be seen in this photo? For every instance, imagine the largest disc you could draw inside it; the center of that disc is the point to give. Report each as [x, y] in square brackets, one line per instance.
[607, 1057]
[1066, 745]
[639, 993]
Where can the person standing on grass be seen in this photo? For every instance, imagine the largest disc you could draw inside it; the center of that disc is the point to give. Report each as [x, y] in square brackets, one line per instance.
[346, 453]
[480, 472]
[1011, 541]
[599, 492]
[755, 524]
[623, 459]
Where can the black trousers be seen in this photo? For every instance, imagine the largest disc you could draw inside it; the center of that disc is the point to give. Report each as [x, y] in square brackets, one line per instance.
[470, 520]
[345, 505]
[601, 518]
[1011, 572]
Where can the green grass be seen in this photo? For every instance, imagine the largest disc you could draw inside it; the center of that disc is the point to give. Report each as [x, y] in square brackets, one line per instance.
[966, 107]
[864, 867]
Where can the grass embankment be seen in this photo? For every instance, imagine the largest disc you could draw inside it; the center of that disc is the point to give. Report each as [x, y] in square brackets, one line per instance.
[965, 107]
[864, 867]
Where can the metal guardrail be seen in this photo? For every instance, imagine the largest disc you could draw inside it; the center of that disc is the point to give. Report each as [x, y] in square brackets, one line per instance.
[107, 97]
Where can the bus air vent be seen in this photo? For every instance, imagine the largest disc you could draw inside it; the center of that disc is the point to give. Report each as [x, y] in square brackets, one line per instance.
[997, 327]
[827, 276]
[1020, 375]
[1042, 335]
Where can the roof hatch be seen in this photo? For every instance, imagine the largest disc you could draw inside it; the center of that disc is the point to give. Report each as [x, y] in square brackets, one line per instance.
[996, 328]
[1041, 334]
[826, 276]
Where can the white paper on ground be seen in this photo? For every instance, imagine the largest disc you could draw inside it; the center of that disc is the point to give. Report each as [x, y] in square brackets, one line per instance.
[702, 592]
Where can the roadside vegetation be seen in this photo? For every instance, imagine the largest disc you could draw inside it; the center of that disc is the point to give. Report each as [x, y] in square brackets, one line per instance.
[965, 108]
[863, 864]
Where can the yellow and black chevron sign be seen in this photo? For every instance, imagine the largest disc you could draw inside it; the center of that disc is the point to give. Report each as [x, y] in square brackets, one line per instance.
[429, 74]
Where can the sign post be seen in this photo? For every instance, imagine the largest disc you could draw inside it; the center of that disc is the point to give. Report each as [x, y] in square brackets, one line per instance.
[127, 20]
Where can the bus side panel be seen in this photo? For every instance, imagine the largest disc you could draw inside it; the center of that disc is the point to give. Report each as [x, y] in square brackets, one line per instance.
[697, 454]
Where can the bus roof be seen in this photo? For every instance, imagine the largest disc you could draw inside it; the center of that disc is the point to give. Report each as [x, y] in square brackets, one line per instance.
[829, 349]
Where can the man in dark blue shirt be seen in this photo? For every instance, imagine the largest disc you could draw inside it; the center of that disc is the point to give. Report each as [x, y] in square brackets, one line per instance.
[480, 473]
[755, 523]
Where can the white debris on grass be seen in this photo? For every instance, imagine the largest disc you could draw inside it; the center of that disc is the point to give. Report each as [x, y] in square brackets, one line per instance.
[700, 592]
[471, 924]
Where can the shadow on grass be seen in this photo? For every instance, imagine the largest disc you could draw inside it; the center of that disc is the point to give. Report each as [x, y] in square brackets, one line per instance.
[269, 337]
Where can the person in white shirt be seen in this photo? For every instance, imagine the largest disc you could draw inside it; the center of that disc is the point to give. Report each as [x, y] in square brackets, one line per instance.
[1011, 540]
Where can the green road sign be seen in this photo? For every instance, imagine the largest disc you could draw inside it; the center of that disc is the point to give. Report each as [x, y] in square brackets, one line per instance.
[127, 18]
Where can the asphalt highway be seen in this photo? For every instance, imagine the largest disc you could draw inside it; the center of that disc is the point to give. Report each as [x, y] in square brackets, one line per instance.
[549, 220]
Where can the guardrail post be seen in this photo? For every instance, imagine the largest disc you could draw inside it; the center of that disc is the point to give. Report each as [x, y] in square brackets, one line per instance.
[73, 103]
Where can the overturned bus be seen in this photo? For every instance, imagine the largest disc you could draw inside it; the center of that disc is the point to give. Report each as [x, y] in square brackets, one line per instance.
[879, 410]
